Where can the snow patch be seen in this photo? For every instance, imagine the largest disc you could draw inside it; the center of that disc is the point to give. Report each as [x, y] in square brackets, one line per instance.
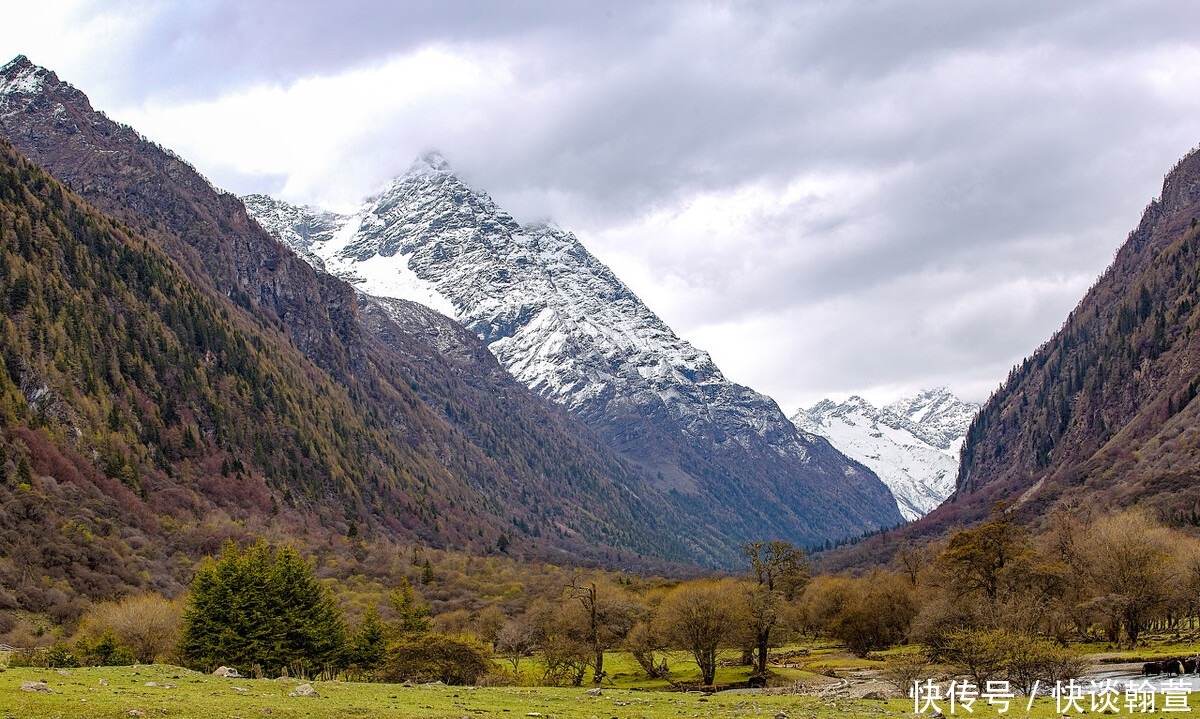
[20, 80]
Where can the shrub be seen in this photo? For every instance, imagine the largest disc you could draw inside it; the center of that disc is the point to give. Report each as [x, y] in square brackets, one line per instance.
[103, 651]
[60, 656]
[146, 624]
[436, 657]
[903, 671]
[1020, 658]
[868, 613]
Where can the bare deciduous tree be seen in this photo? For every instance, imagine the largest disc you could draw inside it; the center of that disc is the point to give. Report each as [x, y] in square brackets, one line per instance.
[780, 571]
[700, 617]
[147, 623]
[1130, 568]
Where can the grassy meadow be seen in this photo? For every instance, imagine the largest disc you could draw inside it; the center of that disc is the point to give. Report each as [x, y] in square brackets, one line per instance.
[798, 679]
[169, 691]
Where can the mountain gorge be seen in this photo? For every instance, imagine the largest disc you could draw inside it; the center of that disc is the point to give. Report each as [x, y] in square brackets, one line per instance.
[563, 324]
[912, 444]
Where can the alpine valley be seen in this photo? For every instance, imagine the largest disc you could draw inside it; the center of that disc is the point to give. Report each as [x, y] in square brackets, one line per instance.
[424, 437]
[174, 376]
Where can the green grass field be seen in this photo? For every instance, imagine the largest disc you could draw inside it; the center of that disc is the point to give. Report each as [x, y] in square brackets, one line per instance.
[623, 672]
[168, 691]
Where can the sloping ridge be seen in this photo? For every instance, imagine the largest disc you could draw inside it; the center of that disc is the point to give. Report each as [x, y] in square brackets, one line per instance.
[414, 460]
[1104, 410]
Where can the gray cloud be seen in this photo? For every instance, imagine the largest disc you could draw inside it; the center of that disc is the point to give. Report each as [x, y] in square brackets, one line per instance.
[829, 196]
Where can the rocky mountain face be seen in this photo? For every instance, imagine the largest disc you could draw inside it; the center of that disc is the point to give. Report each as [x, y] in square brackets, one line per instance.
[378, 415]
[1104, 411]
[564, 325]
[911, 444]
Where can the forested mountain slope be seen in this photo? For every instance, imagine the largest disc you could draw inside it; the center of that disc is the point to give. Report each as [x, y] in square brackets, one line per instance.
[1104, 410]
[398, 455]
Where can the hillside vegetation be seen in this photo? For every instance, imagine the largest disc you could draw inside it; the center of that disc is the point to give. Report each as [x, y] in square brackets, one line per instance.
[441, 445]
[1104, 411]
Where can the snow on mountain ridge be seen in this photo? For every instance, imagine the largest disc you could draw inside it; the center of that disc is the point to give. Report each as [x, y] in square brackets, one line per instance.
[544, 298]
[563, 324]
[912, 444]
[942, 417]
[540, 300]
[21, 86]
[297, 227]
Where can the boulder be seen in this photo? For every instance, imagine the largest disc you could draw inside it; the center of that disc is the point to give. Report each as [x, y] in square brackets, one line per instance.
[304, 690]
[35, 687]
[228, 672]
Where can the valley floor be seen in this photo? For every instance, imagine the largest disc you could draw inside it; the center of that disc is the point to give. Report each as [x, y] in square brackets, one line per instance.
[169, 691]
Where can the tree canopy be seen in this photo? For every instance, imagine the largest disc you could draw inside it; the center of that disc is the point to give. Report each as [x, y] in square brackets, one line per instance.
[263, 609]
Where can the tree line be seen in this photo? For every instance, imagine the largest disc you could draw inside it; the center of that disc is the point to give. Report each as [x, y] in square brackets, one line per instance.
[995, 601]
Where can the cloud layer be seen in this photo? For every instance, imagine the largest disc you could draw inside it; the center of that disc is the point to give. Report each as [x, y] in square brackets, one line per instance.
[830, 197]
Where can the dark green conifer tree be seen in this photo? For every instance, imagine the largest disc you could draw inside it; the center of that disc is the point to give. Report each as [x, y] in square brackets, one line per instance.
[411, 610]
[261, 609]
[367, 647]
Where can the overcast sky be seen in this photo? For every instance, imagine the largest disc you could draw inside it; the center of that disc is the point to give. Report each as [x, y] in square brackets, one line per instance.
[830, 197]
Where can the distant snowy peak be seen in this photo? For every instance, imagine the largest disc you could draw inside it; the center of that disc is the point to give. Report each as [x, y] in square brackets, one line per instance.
[942, 417]
[912, 444]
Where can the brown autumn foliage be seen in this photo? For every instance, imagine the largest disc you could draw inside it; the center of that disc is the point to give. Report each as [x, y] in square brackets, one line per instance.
[147, 624]
[701, 617]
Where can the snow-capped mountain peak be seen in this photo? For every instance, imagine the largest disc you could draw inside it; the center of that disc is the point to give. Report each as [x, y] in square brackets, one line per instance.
[432, 162]
[563, 324]
[912, 443]
[20, 82]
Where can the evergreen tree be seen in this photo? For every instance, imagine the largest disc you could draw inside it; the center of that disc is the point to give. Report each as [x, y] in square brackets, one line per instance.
[261, 608]
[367, 647]
[412, 611]
[24, 472]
